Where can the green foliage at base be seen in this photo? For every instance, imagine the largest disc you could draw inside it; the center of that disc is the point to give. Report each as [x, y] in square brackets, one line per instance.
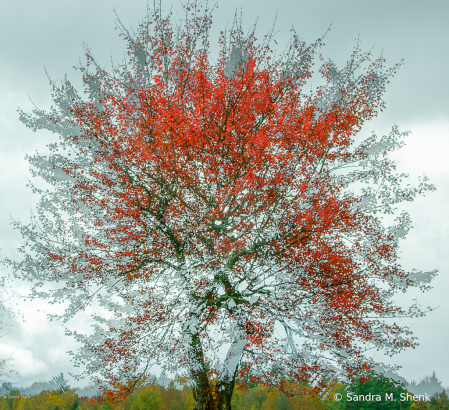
[375, 392]
[154, 397]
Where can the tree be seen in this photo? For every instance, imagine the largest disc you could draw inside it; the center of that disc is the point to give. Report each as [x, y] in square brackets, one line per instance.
[61, 382]
[429, 384]
[440, 401]
[376, 384]
[147, 400]
[225, 219]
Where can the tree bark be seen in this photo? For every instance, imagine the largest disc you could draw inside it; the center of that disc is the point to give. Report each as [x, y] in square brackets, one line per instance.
[202, 389]
[206, 396]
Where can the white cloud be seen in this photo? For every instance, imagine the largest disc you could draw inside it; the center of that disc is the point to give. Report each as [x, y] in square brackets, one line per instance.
[22, 360]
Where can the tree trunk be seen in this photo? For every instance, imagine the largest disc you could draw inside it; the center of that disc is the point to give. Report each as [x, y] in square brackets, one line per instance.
[202, 389]
[223, 393]
[207, 397]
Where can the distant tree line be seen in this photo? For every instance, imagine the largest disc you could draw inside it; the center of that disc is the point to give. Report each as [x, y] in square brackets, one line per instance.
[151, 396]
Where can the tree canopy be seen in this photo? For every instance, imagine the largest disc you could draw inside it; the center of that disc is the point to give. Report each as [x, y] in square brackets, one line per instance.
[227, 218]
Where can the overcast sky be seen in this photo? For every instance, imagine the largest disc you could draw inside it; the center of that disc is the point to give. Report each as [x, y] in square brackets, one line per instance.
[50, 33]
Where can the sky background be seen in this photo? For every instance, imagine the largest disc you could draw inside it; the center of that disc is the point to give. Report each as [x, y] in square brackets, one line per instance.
[50, 33]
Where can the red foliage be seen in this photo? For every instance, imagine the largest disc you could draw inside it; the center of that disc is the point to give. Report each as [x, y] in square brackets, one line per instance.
[215, 201]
